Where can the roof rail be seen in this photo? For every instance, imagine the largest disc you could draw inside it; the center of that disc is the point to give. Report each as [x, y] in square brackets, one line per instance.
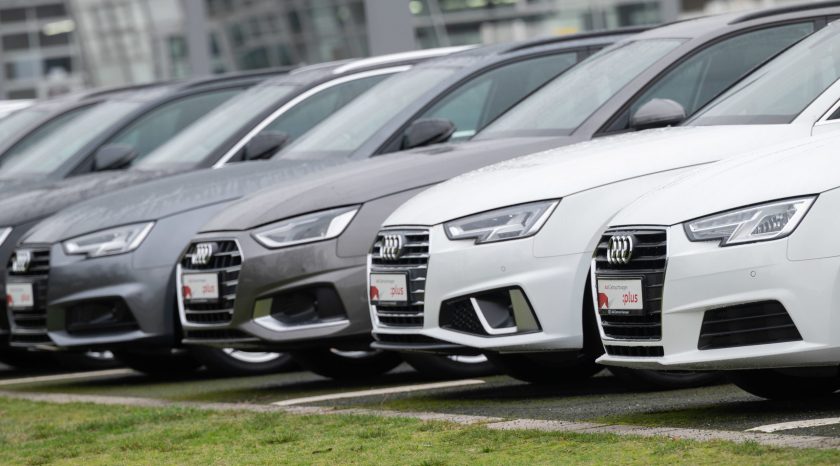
[764, 13]
[382, 60]
[579, 36]
[265, 72]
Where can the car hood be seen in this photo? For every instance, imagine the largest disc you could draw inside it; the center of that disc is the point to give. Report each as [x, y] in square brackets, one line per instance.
[37, 199]
[562, 172]
[378, 177]
[169, 196]
[796, 168]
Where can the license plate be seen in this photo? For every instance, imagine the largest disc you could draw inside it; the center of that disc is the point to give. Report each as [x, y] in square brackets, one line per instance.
[388, 288]
[200, 286]
[620, 296]
[20, 295]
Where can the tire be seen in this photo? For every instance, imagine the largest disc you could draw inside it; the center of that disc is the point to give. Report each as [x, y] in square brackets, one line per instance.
[664, 380]
[230, 363]
[450, 367]
[774, 385]
[168, 364]
[338, 365]
[30, 361]
[554, 368]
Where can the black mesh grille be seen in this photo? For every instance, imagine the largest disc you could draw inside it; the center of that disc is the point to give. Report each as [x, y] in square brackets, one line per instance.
[226, 262]
[29, 326]
[635, 351]
[747, 324]
[459, 315]
[413, 262]
[648, 262]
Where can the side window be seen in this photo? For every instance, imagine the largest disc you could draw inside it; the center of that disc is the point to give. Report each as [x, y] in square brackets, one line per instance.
[159, 125]
[485, 97]
[46, 129]
[703, 76]
[316, 108]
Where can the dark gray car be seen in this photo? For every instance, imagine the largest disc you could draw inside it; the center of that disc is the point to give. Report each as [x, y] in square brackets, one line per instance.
[126, 302]
[250, 126]
[290, 261]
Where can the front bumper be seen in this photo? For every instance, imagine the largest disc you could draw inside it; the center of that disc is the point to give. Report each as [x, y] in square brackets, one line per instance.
[553, 287]
[286, 298]
[138, 286]
[703, 277]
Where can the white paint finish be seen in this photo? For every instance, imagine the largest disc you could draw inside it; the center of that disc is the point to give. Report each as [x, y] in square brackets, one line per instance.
[378, 391]
[804, 424]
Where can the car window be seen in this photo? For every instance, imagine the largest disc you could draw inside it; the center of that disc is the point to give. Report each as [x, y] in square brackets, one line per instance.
[59, 146]
[563, 104]
[782, 89]
[10, 125]
[704, 75]
[485, 97]
[161, 124]
[45, 129]
[348, 129]
[315, 109]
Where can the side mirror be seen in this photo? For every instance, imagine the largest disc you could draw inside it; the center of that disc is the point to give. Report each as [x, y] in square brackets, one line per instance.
[265, 144]
[657, 113]
[113, 157]
[427, 131]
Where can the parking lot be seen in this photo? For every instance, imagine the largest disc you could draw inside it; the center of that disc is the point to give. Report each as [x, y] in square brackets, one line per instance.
[596, 404]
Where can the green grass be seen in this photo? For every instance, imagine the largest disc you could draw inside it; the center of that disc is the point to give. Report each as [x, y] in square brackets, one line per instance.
[42, 433]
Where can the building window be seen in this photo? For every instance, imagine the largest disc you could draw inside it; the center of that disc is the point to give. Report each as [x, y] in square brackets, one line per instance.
[12, 15]
[16, 42]
[53, 64]
[22, 94]
[50, 11]
[54, 39]
[21, 69]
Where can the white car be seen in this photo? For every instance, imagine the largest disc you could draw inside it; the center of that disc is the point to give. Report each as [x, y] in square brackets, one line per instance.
[743, 260]
[510, 246]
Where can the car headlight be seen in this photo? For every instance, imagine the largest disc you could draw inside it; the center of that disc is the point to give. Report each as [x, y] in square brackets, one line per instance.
[317, 226]
[4, 234]
[519, 221]
[117, 240]
[750, 224]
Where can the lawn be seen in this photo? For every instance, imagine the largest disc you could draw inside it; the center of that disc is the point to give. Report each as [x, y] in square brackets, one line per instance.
[43, 433]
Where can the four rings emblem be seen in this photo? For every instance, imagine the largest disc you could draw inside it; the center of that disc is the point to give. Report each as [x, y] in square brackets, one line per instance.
[203, 253]
[620, 249]
[392, 246]
[21, 260]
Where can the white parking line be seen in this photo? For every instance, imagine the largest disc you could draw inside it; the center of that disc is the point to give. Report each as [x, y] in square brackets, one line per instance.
[378, 391]
[74, 375]
[796, 425]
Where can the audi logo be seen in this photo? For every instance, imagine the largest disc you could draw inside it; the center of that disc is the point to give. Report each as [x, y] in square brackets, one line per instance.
[620, 249]
[21, 260]
[392, 246]
[203, 253]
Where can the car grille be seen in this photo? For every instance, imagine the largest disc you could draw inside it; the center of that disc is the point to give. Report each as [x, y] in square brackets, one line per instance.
[29, 326]
[227, 262]
[648, 261]
[747, 324]
[459, 315]
[414, 261]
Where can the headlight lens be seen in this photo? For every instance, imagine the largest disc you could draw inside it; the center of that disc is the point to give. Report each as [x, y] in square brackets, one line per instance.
[117, 240]
[317, 226]
[750, 224]
[513, 222]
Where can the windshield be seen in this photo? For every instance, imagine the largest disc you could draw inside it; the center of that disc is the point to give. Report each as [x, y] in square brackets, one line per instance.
[48, 154]
[781, 90]
[563, 104]
[199, 141]
[349, 128]
[12, 124]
